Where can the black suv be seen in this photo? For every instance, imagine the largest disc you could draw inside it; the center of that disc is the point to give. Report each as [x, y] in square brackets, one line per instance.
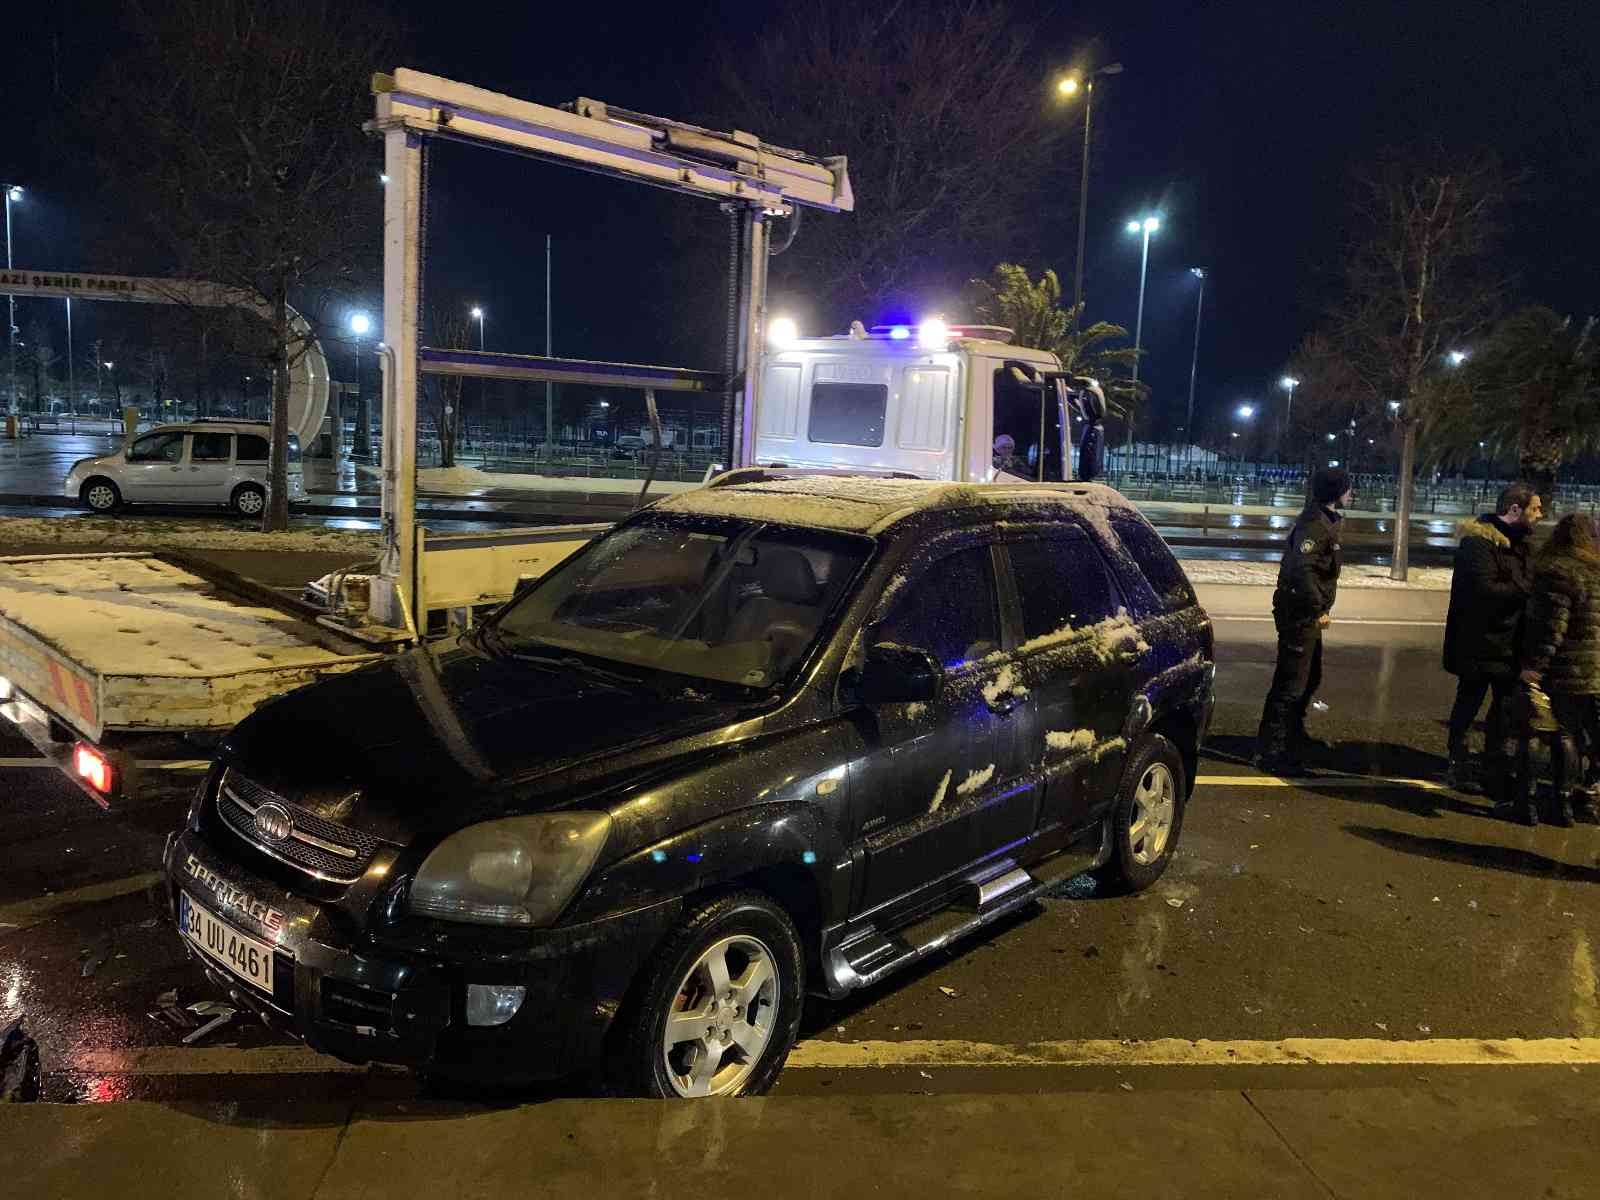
[758, 739]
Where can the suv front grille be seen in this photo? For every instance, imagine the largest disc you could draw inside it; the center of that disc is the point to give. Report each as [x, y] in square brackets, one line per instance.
[315, 845]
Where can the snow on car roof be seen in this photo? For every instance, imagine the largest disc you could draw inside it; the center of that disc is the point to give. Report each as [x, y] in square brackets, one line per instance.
[867, 504]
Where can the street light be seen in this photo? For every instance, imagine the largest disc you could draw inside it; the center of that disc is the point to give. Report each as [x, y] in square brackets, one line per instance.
[1394, 406]
[1071, 85]
[1145, 226]
[13, 196]
[477, 315]
[1288, 383]
[1245, 411]
[360, 325]
[1457, 357]
[1194, 363]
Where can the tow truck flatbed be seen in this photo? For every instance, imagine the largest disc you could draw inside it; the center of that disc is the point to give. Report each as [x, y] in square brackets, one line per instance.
[109, 650]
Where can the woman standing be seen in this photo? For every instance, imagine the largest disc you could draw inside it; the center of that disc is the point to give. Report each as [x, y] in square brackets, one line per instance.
[1561, 654]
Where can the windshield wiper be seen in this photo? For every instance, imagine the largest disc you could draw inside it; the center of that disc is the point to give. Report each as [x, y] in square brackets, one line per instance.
[575, 662]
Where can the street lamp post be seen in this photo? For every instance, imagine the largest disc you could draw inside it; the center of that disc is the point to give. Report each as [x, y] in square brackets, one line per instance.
[1288, 383]
[13, 194]
[1146, 227]
[1194, 363]
[477, 315]
[1070, 85]
[360, 324]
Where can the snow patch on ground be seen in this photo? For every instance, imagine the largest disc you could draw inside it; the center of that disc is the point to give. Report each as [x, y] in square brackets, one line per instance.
[974, 780]
[938, 793]
[1265, 574]
[136, 534]
[914, 711]
[468, 481]
[1069, 741]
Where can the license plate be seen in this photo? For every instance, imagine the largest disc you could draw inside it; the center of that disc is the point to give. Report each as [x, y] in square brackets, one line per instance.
[249, 959]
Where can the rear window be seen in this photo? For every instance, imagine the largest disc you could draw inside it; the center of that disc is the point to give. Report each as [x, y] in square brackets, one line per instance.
[1062, 583]
[1154, 560]
[252, 448]
[848, 414]
[211, 447]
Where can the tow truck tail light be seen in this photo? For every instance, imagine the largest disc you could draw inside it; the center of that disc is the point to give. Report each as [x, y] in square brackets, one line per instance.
[93, 767]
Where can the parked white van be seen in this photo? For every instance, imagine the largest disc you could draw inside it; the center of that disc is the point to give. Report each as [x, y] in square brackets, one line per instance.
[935, 402]
[202, 462]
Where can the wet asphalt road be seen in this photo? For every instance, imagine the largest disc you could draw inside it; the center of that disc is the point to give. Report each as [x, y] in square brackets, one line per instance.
[1318, 910]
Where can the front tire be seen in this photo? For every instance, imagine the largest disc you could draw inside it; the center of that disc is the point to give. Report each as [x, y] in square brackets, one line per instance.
[1148, 815]
[100, 495]
[719, 1006]
[249, 499]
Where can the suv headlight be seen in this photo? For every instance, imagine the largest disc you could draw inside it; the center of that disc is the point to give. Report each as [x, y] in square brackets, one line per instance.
[515, 871]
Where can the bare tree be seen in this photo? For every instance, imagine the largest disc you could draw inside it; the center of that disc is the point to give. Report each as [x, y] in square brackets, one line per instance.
[449, 327]
[943, 110]
[1420, 279]
[1331, 397]
[232, 132]
[39, 359]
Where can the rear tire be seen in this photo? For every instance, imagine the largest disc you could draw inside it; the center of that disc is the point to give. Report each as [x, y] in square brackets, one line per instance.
[248, 500]
[727, 1041]
[1148, 816]
[100, 495]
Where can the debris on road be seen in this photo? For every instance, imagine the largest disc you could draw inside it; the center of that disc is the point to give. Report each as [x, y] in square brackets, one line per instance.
[219, 1013]
[1125, 1086]
[1174, 902]
[19, 1064]
[949, 991]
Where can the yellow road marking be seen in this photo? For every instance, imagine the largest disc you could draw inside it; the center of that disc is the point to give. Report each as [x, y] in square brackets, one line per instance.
[22, 913]
[818, 1055]
[1354, 782]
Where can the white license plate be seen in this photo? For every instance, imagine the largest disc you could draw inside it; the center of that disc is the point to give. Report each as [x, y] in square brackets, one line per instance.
[246, 957]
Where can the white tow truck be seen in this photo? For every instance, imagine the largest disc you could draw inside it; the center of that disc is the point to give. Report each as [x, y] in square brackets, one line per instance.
[114, 663]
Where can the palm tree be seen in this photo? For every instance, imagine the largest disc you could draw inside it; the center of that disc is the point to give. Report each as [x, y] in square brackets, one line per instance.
[1033, 312]
[1532, 388]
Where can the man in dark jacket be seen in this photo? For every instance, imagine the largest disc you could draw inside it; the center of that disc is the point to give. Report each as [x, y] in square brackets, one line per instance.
[1488, 592]
[1308, 580]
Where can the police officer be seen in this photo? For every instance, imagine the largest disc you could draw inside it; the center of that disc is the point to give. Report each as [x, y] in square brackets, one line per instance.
[1308, 579]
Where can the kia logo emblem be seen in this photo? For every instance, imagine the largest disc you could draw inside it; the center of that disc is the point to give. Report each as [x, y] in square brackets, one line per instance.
[273, 822]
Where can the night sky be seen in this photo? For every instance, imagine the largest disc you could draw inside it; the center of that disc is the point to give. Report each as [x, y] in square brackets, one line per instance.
[1237, 122]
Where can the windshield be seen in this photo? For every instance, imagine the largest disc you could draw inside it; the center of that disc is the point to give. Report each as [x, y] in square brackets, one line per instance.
[718, 600]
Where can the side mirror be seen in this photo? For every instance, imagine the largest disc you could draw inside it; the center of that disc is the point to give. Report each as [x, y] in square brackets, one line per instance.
[898, 675]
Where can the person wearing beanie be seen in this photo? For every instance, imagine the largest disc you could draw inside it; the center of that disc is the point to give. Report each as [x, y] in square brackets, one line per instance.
[1308, 580]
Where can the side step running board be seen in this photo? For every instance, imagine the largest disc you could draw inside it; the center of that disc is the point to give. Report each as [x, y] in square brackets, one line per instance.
[872, 955]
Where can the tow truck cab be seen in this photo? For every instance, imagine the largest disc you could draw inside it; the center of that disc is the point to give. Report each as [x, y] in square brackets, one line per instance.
[935, 402]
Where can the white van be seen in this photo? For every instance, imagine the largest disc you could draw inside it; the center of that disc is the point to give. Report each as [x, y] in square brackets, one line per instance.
[958, 403]
[202, 462]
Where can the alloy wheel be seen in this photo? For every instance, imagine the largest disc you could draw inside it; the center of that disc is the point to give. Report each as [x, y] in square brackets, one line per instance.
[722, 1018]
[250, 502]
[1155, 802]
[101, 497]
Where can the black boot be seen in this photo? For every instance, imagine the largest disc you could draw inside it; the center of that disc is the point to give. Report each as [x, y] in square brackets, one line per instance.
[1563, 758]
[1514, 788]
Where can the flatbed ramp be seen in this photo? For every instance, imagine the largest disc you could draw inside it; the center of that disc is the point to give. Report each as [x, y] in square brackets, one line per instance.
[124, 643]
